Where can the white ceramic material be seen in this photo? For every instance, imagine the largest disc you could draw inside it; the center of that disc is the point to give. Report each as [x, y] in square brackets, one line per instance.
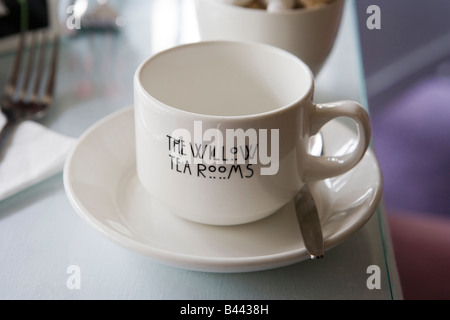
[192, 96]
[102, 185]
[307, 33]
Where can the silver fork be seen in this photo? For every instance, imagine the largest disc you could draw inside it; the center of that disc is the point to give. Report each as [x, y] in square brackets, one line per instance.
[28, 97]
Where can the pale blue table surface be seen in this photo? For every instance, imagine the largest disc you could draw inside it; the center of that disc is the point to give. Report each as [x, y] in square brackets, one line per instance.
[41, 235]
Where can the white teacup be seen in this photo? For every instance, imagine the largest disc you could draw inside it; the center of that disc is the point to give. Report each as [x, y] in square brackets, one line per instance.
[222, 130]
[308, 33]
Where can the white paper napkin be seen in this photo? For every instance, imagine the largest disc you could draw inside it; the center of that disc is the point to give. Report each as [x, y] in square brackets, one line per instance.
[34, 154]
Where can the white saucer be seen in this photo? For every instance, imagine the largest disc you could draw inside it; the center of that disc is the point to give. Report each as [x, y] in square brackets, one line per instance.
[101, 183]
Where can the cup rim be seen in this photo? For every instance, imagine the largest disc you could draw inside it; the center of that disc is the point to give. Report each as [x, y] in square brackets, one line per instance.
[308, 92]
[298, 11]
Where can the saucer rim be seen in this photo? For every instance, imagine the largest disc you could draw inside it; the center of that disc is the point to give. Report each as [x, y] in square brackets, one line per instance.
[202, 263]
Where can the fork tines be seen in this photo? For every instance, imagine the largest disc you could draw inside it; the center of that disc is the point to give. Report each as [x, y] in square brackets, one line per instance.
[36, 83]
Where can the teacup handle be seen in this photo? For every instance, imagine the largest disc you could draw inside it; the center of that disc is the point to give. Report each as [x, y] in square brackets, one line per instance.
[321, 167]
